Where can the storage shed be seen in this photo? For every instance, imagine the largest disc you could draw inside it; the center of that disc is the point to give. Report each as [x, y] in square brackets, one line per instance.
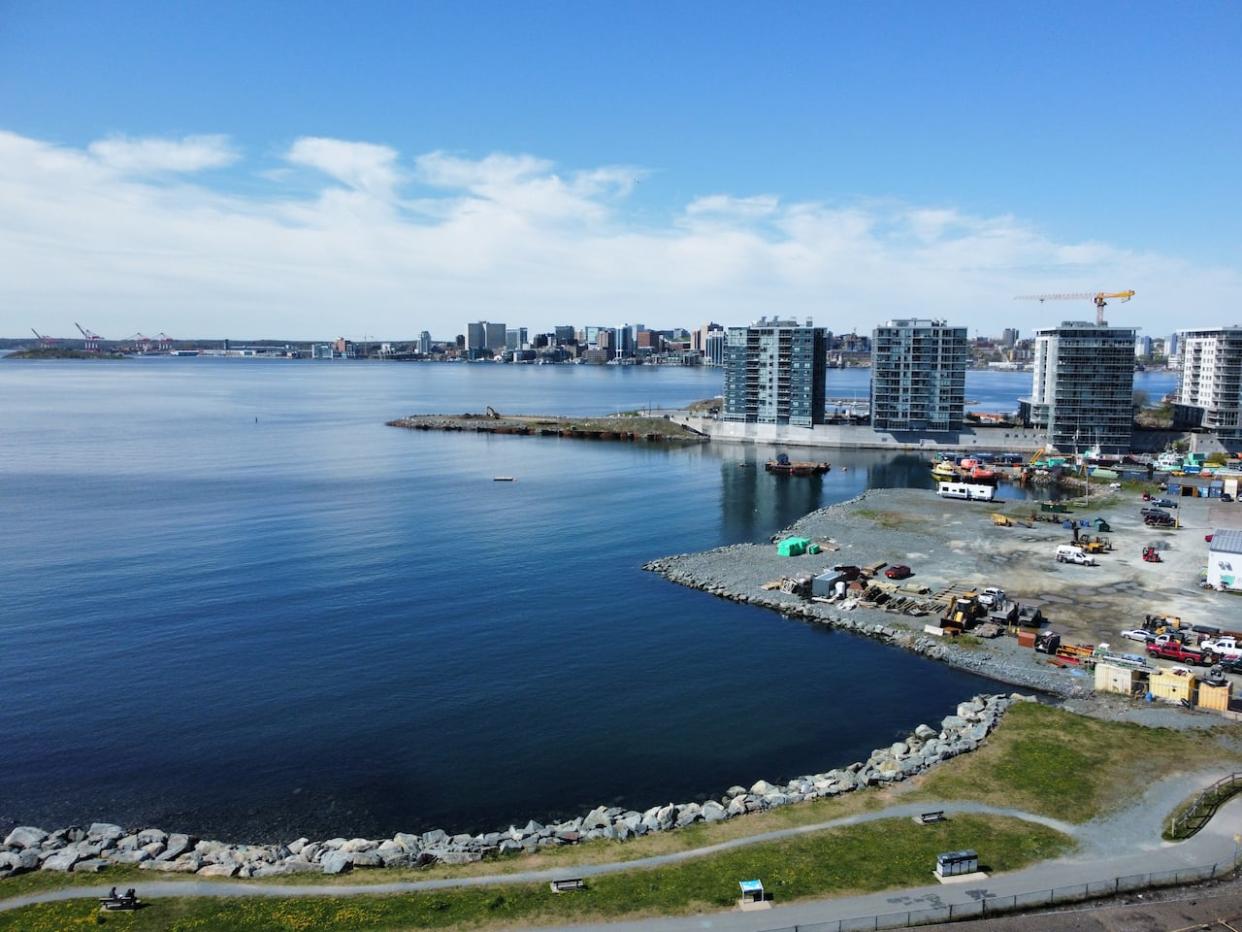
[1173, 685]
[793, 546]
[1224, 569]
[825, 585]
[1127, 681]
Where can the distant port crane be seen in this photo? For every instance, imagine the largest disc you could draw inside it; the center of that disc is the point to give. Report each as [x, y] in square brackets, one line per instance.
[1100, 298]
[164, 340]
[91, 344]
[43, 341]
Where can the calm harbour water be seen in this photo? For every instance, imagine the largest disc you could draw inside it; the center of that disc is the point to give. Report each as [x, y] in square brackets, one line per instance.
[238, 604]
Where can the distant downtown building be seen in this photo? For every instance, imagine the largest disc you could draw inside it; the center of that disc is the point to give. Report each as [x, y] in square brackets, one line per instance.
[424, 343]
[714, 348]
[1210, 391]
[483, 339]
[1082, 394]
[775, 372]
[918, 375]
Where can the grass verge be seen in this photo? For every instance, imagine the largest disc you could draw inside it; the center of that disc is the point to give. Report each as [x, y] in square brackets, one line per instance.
[1056, 763]
[853, 859]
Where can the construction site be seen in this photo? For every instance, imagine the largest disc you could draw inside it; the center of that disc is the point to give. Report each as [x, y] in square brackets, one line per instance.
[1038, 593]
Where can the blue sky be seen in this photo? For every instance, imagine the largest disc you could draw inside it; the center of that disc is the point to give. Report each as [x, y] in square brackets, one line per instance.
[1106, 126]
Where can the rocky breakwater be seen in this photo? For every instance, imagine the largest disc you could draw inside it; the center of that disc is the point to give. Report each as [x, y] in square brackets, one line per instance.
[95, 847]
[738, 572]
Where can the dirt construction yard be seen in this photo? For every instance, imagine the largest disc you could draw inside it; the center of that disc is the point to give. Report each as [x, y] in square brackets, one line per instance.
[955, 542]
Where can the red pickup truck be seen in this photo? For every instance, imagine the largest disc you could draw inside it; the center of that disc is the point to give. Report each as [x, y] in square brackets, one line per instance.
[1172, 650]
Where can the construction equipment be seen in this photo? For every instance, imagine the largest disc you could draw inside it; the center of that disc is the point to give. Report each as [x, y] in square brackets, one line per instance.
[962, 612]
[1001, 520]
[1099, 297]
[1151, 555]
[1096, 544]
[91, 338]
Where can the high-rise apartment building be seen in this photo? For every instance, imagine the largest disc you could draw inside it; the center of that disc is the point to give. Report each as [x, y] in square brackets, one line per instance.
[918, 375]
[698, 338]
[424, 343]
[564, 334]
[1009, 337]
[1082, 387]
[775, 373]
[1210, 391]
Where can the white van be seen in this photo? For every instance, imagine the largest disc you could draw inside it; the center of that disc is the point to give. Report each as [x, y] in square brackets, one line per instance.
[1068, 553]
[967, 490]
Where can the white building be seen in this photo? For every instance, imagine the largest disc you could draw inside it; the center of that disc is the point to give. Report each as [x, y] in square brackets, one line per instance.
[1210, 390]
[1224, 569]
[918, 375]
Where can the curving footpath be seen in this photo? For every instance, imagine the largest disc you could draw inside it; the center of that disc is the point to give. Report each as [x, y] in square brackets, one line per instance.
[1125, 842]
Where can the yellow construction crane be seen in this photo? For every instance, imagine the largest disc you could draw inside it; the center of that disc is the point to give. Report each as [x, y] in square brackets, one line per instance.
[1100, 298]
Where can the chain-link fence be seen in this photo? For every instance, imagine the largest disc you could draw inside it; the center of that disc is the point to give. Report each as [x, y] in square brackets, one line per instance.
[1036, 899]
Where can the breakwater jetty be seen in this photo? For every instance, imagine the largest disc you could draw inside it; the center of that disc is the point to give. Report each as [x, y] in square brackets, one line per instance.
[632, 428]
[889, 525]
[101, 844]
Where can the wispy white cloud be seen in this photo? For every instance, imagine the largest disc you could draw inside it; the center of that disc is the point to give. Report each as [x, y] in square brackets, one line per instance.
[154, 155]
[362, 166]
[392, 245]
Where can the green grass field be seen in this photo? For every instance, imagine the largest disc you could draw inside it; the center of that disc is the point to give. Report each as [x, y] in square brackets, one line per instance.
[873, 856]
[1055, 763]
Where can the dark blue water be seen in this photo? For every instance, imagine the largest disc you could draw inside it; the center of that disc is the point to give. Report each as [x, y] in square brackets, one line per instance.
[313, 623]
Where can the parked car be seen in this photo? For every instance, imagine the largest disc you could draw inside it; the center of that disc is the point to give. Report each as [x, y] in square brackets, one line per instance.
[1160, 519]
[898, 571]
[1148, 512]
[1226, 497]
[1164, 503]
[1068, 553]
[1172, 650]
[1138, 634]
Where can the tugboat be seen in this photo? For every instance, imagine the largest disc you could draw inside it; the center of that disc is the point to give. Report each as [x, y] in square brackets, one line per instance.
[782, 466]
[944, 470]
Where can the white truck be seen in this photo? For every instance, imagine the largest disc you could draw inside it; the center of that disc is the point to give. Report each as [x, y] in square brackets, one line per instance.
[992, 597]
[1068, 553]
[1226, 647]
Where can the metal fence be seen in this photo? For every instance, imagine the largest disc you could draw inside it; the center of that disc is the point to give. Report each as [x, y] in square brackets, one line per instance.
[1036, 899]
[1199, 812]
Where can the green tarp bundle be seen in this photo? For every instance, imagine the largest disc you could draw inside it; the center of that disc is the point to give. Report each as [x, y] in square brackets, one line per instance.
[793, 546]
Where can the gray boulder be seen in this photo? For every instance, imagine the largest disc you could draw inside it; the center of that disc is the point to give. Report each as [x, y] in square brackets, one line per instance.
[366, 858]
[435, 837]
[62, 860]
[128, 843]
[177, 846]
[762, 788]
[25, 836]
[90, 866]
[337, 862]
[734, 791]
[358, 844]
[105, 831]
[217, 870]
[149, 835]
[713, 812]
[596, 818]
[134, 856]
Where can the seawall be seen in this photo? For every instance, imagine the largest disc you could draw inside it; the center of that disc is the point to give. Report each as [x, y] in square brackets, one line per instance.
[101, 844]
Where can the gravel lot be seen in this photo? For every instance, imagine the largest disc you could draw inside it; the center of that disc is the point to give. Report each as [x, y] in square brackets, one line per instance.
[954, 543]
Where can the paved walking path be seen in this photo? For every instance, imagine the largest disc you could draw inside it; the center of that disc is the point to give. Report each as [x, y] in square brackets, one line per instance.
[1127, 842]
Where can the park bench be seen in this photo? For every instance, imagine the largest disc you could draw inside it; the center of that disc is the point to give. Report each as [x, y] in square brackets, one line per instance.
[563, 886]
[931, 818]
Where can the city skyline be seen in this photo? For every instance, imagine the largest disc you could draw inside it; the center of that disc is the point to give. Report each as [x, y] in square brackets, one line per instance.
[383, 185]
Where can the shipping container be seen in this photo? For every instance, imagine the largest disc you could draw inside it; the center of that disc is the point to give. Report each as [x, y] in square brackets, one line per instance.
[1173, 687]
[1215, 698]
[1124, 680]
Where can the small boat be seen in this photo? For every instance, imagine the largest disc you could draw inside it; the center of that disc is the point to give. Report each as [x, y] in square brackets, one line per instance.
[502, 478]
[944, 470]
[982, 474]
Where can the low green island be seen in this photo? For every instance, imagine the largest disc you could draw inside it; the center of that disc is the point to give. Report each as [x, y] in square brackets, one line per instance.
[60, 352]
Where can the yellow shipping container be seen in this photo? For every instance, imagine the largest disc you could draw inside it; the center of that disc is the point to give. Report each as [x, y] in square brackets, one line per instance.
[1215, 698]
[1113, 679]
[1173, 687]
